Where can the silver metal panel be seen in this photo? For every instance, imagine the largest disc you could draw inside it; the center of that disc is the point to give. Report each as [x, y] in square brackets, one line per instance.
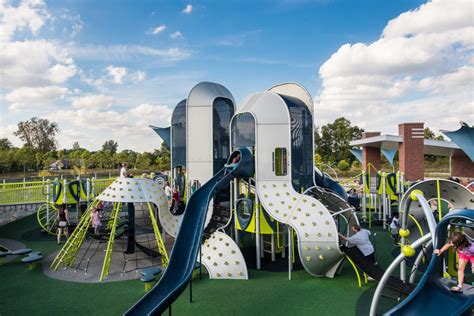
[454, 193]
[204, 94]
[222, 258]
[316, 230]
[199, 135]
[294, 90]
[266, 146]
[131, 190]
[171, 223]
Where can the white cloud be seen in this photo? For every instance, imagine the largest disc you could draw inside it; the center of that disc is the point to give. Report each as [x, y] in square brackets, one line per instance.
[431, 17]
[124, 52]
[7, 132]
[30, 15]
[176, 35]
[74, 25]
[30, 97]
[138, 76]
[93, 102]
[188, 9]
[157, 30]
[128, 128]
[420, 69]
[30, 62]
[116, 74]
[36, 63]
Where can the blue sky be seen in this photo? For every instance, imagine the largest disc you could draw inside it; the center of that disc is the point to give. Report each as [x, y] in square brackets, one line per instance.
[107, 69]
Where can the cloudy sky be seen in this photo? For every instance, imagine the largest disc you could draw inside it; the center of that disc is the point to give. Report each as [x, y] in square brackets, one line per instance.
[108, 69]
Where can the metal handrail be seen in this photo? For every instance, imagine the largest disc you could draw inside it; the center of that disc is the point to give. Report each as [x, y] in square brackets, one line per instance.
[388, 273]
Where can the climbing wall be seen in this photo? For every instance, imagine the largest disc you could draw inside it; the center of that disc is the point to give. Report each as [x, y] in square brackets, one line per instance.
[318, 241]
[171, 223]
[222, 258]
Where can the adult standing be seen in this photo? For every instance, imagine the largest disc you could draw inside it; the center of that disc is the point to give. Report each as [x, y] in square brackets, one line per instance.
[124, 171]
[362, 241]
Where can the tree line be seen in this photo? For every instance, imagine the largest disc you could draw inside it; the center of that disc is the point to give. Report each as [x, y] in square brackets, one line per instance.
[39, 150]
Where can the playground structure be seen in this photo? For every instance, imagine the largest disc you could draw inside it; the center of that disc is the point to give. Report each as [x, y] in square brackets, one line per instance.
[281, 194]
[275, 145]
[419, 229]
[121, 221]
[274, 194]
[381, 192]
[250, 215]
[76, 194]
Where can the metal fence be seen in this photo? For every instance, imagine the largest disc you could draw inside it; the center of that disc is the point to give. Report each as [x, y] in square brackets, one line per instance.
[35, 191]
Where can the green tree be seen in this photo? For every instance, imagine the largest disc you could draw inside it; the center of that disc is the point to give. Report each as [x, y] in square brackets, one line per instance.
[48, 158]
[317, 159]
[429, 134]
[343, 165]
[25, 157]
[163, 157]
[110, 147]
[5, 143]
[38, 134]
[76, 146]
[6, 162]
[144, 161]
[332, 144]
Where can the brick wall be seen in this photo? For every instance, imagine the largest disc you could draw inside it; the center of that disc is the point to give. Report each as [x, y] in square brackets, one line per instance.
[370, 154]
[10, 213]
[411, 150]
[461, 165]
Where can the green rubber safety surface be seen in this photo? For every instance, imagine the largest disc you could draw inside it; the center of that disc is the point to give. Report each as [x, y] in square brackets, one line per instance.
[28, 292]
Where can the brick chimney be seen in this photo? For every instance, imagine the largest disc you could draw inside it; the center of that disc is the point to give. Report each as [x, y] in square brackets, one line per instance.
[411, 150]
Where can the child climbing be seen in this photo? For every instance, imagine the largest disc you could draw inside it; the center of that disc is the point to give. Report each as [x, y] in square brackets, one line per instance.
[95, 220]
[465, 252]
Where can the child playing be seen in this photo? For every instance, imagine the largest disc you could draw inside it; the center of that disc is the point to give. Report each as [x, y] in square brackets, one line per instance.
[465, 252]
[95, 220]
[394, 228]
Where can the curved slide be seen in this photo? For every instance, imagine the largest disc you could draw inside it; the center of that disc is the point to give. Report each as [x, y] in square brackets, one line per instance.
[323, 180]
[186, 248]
[432, 296]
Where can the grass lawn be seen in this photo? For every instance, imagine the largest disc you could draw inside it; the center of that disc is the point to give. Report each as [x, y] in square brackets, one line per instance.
[25, 292]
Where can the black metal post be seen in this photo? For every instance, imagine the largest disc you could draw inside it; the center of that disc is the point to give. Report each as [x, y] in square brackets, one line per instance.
[169, 310]
[200, 261]
[131, 228]
[191, 289]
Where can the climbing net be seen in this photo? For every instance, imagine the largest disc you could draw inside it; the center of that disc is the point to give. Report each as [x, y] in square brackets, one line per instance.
[134, 247]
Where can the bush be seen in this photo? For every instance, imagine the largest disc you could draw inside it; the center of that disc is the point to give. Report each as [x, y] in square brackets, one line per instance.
[356, 165]
[343, 165]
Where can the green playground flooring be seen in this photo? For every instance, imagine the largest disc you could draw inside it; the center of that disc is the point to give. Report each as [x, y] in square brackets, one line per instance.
[30, 292]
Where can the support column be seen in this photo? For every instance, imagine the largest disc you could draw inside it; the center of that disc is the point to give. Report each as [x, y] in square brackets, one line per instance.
[131, 228]
[370, 154]
[462, 166]
[411, 150]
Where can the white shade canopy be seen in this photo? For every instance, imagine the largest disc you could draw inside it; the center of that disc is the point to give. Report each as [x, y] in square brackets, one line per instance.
[134, 190]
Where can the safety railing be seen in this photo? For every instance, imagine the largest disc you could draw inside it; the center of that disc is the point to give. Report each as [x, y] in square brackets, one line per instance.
[35, 191]
[100, 185]
[22, 192]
